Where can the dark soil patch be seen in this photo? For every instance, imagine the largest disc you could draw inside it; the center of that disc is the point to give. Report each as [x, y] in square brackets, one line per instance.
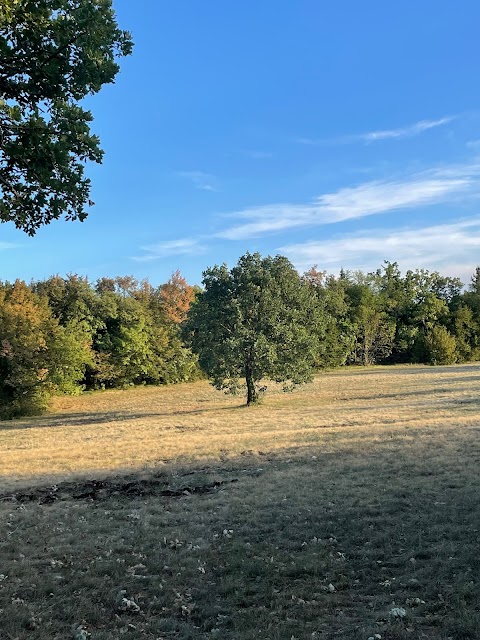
[128, 486]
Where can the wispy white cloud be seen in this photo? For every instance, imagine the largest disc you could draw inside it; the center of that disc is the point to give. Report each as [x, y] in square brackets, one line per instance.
[452, 248]
[427, 188]
[382, 134]
[182, 246]
[8, 245]
[405, 132]
[200, 180]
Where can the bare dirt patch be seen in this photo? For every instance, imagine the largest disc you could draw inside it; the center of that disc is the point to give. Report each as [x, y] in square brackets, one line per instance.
[93, 490]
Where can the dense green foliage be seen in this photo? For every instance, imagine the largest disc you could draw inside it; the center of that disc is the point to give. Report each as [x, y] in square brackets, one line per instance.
[260, 320]
[384, 317]
[257, 321]
[53, 53]
[63, 335]
[37, 355]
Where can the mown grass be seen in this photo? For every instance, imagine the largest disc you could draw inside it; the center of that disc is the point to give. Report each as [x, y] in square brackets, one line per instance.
[332, 505]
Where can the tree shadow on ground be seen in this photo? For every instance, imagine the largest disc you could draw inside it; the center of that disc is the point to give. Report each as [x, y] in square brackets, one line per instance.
[87, 418]
[433, 392]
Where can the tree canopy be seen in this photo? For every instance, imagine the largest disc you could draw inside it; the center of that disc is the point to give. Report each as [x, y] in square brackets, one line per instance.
[53, 53]
[257, 321]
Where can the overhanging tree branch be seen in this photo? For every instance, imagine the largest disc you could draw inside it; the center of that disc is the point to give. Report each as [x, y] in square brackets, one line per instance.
[45, 136]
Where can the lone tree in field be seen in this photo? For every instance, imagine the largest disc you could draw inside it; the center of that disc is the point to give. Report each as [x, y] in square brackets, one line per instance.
[257, 321]
[53, 53]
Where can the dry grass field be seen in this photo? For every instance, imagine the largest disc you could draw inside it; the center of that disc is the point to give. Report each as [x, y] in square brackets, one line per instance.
[347, 509]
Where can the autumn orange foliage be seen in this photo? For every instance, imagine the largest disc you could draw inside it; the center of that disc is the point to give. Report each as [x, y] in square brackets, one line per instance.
[176, 296]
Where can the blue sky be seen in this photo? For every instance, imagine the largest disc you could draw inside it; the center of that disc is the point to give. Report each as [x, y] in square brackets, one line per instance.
[339, 134]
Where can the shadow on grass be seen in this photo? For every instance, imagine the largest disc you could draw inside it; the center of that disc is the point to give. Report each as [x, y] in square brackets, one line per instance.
[433, 392]
[454, 380]
[300, 543]
[87, 418]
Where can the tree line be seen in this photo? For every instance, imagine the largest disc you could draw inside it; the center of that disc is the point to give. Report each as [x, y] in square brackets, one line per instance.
[67, 335]
[386, 317]
[260, 320]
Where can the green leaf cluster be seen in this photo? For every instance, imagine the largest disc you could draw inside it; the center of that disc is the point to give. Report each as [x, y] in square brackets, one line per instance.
[53, 53]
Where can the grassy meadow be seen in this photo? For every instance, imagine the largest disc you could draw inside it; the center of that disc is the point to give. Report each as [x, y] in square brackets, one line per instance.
[349, 508]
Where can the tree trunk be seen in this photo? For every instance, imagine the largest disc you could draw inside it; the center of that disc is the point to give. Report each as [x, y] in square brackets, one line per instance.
[252, 396]
[366, 350]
